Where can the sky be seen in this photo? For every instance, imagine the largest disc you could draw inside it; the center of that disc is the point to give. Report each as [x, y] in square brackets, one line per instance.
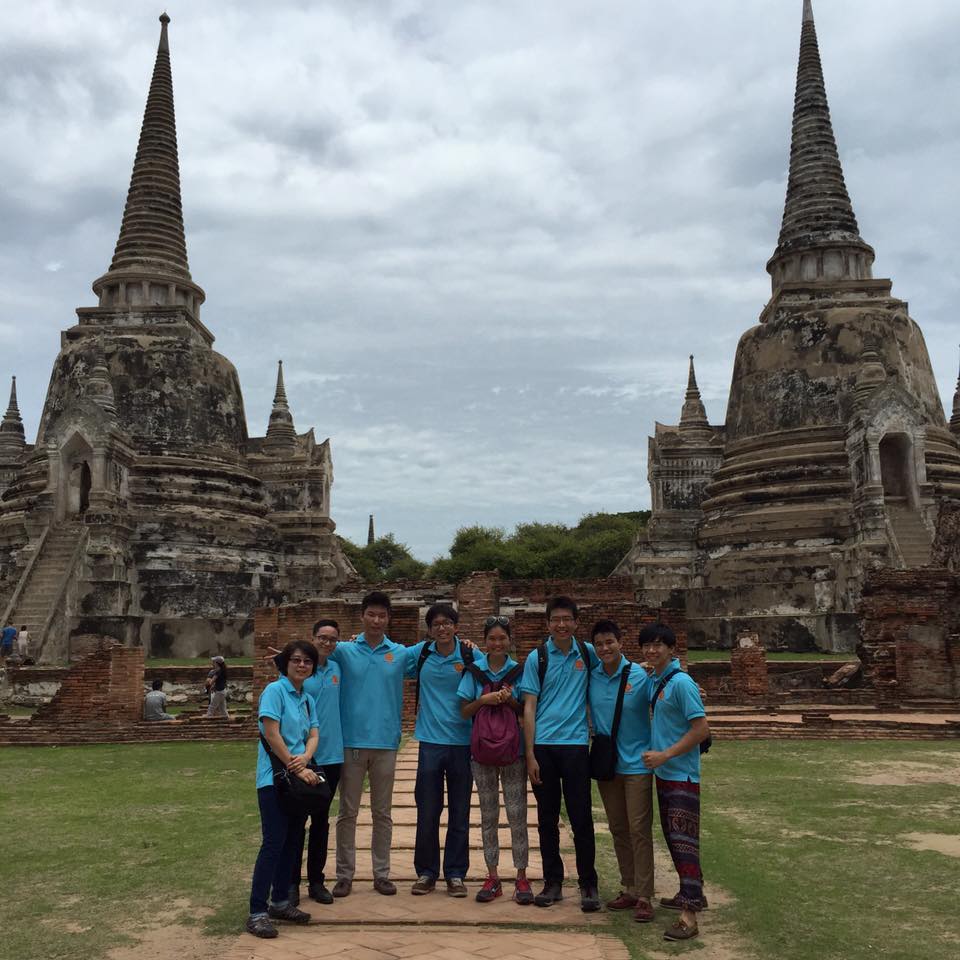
[483, 236]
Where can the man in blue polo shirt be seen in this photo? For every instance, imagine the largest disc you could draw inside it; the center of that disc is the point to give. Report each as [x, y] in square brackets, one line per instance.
[372, 672]
[324, 690]
[678, 727]
[444, 756]
[558, 761]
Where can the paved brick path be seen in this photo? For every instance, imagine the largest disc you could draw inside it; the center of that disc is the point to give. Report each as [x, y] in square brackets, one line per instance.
[368, 926]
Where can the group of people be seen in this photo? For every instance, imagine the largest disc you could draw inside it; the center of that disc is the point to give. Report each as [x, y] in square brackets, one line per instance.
[482, 718]
[214, 691]
[11, 637]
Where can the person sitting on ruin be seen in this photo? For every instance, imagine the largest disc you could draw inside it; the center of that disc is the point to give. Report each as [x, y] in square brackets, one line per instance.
[217, 688]
[628, 797]
[497, 669]
[288, 723]
[443, 759]
[155, 703]
[678, 727]
[555, 683]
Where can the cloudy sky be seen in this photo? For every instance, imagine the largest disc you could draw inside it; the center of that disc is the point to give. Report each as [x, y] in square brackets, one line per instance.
[483, 236]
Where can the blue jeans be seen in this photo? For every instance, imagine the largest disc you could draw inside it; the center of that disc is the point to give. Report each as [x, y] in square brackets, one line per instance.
[437, 762]
[275, 859]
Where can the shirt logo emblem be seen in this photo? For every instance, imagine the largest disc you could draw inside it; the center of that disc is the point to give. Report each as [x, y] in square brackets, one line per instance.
[388, 657]
[579, 665]
[628, 688]
[458, 667]
[662, 692]
[334, 679]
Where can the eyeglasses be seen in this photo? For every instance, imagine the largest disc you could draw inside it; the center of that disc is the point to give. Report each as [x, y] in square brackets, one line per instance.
[496, 622]
[562, 620]
[301, 661]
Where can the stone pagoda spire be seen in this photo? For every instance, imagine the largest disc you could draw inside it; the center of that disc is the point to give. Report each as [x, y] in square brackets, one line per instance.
[281, 433]
[370, 537]
[819, 236]
[149, 266]
[955, 419]
[12, 440]
[694, 425]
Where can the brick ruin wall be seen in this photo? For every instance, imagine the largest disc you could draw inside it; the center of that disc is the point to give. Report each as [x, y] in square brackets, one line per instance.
[910, 645]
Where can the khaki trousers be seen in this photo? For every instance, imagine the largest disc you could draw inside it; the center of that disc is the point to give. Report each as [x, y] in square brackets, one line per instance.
[628, 801]
[380, 766]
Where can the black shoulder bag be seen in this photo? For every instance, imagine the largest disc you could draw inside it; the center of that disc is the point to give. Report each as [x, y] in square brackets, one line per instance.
[603, 750]
[296, 797]
[705, 745]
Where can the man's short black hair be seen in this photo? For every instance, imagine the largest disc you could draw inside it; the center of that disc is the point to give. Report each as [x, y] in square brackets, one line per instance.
[562, 603]
[605, 626]
[376, 598]
[304, 646]
[658, 632]
[442, 610]
[326, 623]
[156, 685]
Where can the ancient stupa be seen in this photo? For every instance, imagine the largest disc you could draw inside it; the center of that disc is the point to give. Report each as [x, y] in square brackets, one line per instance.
[144, 511]
[835, 454]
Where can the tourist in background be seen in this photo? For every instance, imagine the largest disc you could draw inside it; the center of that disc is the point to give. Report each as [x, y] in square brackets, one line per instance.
[557, 751]
[217, 687]
[324, 688]
[678, 727]
[628, 797]
[443, 759]
[23, 642]
[155, 703]
[289, 725]
[7, 637]
[497, 669]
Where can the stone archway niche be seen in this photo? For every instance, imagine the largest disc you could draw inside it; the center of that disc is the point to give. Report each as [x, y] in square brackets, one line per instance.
[897, 472]
[76, 477]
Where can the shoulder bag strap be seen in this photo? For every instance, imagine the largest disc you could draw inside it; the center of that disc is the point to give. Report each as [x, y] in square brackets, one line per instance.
[663, 683]
[542, 665]
[424, 653]
[585, 657]
[624, 680]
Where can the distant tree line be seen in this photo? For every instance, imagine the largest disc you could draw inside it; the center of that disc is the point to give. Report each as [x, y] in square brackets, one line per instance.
[534, 550]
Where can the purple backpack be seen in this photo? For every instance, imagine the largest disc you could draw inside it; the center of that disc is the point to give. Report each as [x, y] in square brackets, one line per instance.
[495, 740]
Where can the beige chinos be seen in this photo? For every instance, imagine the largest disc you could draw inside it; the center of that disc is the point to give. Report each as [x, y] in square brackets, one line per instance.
[628, 801]
[381, 766]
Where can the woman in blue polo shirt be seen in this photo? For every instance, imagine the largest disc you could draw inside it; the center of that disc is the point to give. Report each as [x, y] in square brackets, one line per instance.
[628, 798]
[288, 723]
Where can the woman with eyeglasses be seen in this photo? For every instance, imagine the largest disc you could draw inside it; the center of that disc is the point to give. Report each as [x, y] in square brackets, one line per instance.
[288, 722]
[489, 686]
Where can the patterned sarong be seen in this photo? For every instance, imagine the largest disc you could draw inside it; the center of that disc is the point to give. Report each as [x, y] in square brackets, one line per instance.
[679, 803]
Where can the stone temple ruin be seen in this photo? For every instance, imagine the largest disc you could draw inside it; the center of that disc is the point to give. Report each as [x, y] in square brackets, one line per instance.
[144, 511]
[835, 458]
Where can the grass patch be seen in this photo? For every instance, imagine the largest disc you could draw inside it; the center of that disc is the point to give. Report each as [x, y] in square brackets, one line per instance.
[13, 710]
[815, 864]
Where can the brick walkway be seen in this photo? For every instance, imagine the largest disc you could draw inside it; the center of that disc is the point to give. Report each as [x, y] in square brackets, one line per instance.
[368, 926]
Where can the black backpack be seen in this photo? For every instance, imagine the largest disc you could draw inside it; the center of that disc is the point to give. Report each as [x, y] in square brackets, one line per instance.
[465, 652]
[705, 745]
[542, 663]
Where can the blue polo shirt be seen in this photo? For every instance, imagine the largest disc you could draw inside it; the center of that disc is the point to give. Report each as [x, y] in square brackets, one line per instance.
[678, 703]
[280, 701]
[371, 710]
[438, 719]
[633, 736]
[324, 688]
[7, 637]
[562, 706]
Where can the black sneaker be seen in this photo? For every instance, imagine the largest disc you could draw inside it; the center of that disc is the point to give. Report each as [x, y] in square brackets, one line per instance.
[290, 913]
[320, 893]
[261, 927]
[293, 896]
[589, 899]
[551, 893]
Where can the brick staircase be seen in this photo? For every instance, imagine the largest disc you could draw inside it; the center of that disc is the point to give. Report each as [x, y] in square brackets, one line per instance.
[44, 583]
[913, 538]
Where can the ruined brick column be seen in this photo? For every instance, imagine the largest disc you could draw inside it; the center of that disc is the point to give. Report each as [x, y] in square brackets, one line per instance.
[478, 597]
[748, 667]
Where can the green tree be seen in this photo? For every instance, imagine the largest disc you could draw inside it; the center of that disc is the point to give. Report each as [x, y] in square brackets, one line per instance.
[383, 560]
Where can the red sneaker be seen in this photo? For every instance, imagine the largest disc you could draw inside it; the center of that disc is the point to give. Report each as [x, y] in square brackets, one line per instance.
[490, 890]
[522, 893]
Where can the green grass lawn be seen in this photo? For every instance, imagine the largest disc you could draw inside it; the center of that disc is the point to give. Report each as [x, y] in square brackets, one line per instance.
[809, 864]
